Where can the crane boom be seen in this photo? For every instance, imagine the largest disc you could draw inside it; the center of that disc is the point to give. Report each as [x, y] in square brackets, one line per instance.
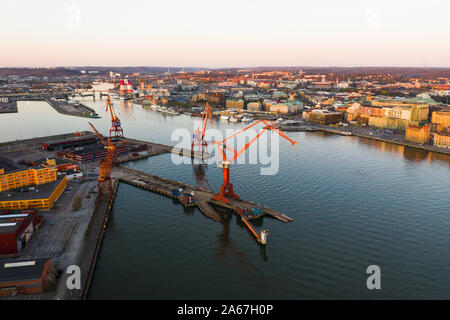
[199, 134]
[226, 189]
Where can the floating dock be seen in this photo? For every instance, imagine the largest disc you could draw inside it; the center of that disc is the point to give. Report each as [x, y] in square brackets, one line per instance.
[202, 198]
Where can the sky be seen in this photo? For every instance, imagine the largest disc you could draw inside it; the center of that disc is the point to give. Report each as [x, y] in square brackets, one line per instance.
[227, 33]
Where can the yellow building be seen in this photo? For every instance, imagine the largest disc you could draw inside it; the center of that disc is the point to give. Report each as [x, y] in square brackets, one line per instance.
[380, 122]
[418, 134]
[391, 123]
[18, 179]
[441, 140]
[442, 118]
[42, 198]
[235, 104]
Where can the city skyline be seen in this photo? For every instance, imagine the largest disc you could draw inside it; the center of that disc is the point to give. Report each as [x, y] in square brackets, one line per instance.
[224, 35]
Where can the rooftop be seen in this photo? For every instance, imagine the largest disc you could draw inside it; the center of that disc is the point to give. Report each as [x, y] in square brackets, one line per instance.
[42, 191]
[19, 270]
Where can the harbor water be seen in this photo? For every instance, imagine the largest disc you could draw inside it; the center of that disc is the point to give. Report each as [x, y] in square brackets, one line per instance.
[355, 203]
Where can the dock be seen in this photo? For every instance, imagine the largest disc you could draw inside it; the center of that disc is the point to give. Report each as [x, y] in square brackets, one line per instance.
[201, 198]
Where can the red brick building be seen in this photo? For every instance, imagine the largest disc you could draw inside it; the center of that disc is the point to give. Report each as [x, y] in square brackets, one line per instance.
[16, 228]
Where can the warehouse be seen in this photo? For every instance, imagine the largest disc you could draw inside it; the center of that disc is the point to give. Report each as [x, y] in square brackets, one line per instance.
[25, 277]
[39, 197]
[70, 143]
[16, 229]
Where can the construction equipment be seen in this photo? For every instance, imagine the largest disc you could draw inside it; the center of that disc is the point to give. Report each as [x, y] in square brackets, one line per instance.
[198, 136]
[226, 189]
[116, 129]
[104, 176]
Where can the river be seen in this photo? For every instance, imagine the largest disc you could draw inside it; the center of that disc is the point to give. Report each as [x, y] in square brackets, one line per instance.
[356, 202]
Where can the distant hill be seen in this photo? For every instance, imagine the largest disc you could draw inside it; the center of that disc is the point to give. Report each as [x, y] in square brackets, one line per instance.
[426, 73]
[138, 69]
[39, 72]
[409, 72]
[76, 71]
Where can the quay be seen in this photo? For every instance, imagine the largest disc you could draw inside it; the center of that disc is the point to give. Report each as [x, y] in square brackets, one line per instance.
[360, 132]
[202, 198]
[77, 110]
[70, 236]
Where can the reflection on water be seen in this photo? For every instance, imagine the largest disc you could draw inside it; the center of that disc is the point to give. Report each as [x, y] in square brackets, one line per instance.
[411, 154]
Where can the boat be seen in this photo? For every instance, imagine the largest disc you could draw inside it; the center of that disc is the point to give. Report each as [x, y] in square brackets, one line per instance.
[234, 120]
[246, 119]
[167, 110]
[224, 117]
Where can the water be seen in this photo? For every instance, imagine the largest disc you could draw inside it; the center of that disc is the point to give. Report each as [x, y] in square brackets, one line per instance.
[356, 202]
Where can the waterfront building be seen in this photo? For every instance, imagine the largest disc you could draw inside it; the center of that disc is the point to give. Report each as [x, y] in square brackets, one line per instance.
[324, 117]
[418, 134]
[442, 140]
[254, 106]
[234, 104]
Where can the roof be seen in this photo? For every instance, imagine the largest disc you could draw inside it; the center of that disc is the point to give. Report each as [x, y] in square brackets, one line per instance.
[9, 224]
[42, 191]
[23, 270]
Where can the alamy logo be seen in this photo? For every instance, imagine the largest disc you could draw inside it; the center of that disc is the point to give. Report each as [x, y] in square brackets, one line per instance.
[74, 280]
[374, 280]
[265, 151]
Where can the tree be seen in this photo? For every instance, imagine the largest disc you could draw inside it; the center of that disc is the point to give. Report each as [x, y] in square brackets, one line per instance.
[76, 205]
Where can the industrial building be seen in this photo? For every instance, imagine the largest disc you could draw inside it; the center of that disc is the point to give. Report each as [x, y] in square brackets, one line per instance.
[22, 178]
[90, 153]
[16, 229]
[40, 197]
[25, 277]
[75, 142]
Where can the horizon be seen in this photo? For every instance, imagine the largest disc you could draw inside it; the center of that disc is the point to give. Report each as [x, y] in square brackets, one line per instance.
[216, 35]
[219, 68]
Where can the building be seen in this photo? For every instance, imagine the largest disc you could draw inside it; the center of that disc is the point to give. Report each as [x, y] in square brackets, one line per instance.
[25, 277]
[441, 118]
[441, 140]
[235, 104]
[287, 107]
[16, 229]
[254, 106]
[22, 178]
[39, 197]
[418, 134]
[324, 117]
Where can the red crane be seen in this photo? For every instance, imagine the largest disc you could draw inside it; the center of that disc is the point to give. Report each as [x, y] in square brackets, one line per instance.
[226, 189]
[116, 129]
[198, 136]
[104, 176]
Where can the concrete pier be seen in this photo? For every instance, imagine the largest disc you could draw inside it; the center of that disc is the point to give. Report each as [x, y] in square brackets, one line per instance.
[202, 197]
